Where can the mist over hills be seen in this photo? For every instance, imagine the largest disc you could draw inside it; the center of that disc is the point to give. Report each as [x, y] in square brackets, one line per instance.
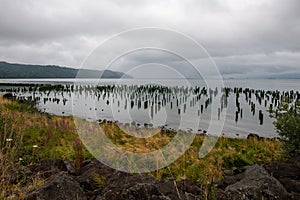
[26, 71]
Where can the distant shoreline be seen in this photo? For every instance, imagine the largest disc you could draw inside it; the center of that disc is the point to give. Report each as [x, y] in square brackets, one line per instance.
[24, 71]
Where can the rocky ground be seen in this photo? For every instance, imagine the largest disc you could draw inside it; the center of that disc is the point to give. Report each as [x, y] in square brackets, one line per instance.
[275, 180]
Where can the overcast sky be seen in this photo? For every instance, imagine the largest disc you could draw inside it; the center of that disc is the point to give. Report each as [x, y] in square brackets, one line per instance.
[246, 38]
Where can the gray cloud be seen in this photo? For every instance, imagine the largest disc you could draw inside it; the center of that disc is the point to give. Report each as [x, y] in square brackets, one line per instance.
[245, 38]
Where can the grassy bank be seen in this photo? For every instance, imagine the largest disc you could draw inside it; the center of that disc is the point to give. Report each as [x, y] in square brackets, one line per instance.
[27, 136]
[228, 153]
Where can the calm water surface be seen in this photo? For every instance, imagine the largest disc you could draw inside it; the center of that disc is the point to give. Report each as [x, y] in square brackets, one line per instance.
[165, 102]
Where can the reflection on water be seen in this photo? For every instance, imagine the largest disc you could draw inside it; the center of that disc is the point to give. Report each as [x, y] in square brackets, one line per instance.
[159, 106]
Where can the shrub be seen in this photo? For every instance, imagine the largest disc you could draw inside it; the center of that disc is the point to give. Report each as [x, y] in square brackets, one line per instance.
[287, 123]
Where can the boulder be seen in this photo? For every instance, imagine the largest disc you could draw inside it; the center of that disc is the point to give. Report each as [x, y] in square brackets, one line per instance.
[282, 170]
[184, 189]
[137, 191]
[256, 184]
[59, 187]
[229, 180]
[48, 167]
[122, 186]
[89, 174]
[288, 174]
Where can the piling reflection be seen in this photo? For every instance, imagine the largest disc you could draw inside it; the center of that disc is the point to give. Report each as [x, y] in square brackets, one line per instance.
[148, 105]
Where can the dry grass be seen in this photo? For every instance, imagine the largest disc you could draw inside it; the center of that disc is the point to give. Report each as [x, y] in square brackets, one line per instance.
[124, 137]
[226, 154]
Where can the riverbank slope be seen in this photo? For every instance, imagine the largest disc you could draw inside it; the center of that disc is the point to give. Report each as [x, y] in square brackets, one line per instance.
[40, 151]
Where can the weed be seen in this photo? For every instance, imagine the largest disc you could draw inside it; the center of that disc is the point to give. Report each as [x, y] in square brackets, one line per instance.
[98, 179]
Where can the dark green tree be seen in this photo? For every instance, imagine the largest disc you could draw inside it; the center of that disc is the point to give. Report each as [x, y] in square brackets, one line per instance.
[287, 124]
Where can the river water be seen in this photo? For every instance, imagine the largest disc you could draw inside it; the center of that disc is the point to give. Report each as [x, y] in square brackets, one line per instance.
[174, 104]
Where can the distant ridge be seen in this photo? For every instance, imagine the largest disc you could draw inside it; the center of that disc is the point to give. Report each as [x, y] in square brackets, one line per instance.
[26, 71]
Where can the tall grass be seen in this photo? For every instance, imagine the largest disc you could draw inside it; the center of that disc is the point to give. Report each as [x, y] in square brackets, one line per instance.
[27, 136]
[10, 141]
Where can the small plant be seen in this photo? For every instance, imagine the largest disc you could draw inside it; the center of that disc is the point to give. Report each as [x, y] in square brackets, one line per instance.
[209, 190]
[99, 180]
[78, 148]
[35, 182]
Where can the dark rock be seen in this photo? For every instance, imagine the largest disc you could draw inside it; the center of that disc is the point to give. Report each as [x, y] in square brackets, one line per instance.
[70, 167]
[295, 160]
[228, 172]
[86, 162]
[294, 196]
[86, 177]
[256, 184]
[126, 186]
[288, 173]
[60, 187]
[48, 167]
[283, 170]
[97, 166]
[221, 195]
[291, 185]
[239, 170]
[137, 191]
[17, 174]
[229, 180]
[64, 182]
[181, 190]
[120, 185]
[275, 180]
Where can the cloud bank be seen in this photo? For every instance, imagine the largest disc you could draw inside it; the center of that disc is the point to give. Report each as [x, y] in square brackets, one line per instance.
[250, 38]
